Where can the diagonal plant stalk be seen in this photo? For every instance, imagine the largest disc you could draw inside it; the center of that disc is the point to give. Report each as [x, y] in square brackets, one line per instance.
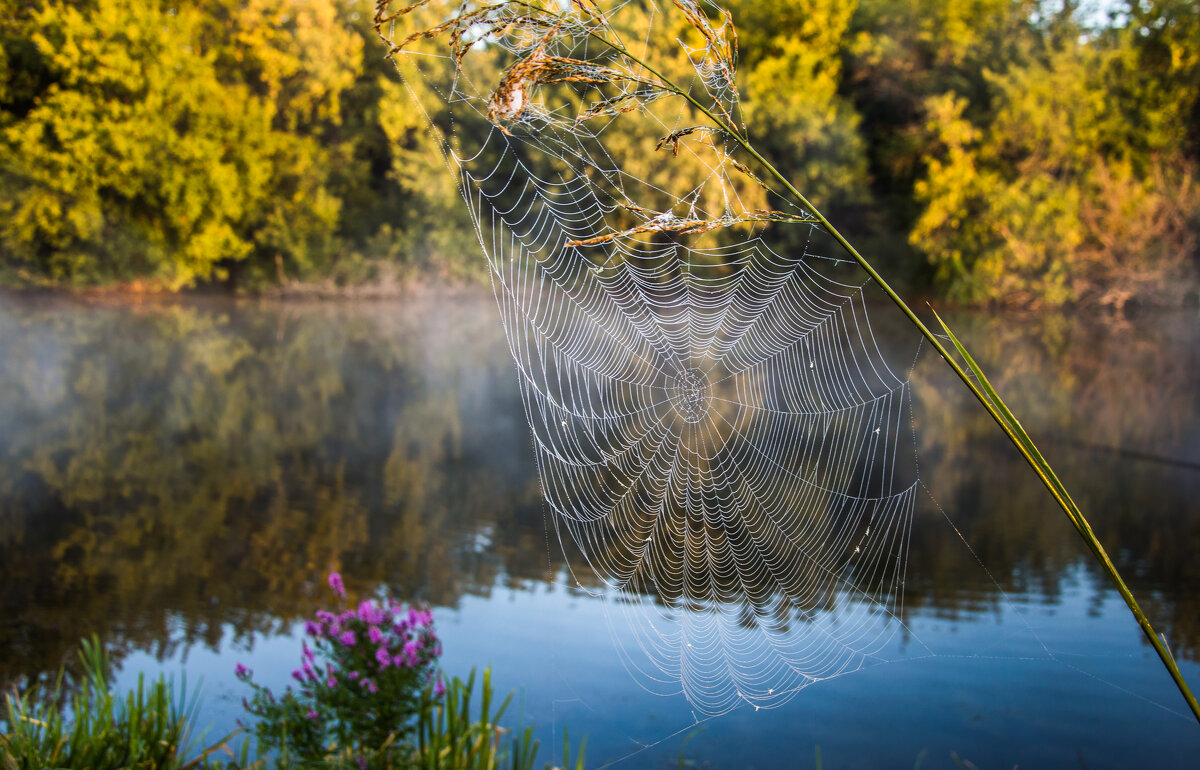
[999, 411]
[983, 391]
[975, 381]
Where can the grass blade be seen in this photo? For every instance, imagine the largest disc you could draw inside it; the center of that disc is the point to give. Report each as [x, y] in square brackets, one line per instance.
[1021, 438]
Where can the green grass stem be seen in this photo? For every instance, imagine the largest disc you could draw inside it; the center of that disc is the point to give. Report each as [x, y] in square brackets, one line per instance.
[451, 737]
[147, 729]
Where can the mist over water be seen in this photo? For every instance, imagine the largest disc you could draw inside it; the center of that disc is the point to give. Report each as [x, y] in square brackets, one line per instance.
[179, 476]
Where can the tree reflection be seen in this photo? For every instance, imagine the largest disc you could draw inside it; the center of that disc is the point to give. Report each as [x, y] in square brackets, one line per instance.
[1114, 404]
[174, 471]
[183, 473]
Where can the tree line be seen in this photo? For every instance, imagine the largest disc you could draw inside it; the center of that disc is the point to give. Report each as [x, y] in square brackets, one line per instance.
[1007, 151]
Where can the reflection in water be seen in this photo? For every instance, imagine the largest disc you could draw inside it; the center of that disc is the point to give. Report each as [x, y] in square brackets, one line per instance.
[1114, 407]
[172, 473]
[172, 468]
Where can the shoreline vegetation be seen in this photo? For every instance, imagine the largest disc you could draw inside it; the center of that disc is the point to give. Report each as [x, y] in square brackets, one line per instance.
[294, 292]
[269, 148]
[324, 293]
[369, 695]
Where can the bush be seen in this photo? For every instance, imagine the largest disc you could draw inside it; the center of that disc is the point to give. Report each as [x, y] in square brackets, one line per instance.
[362, 684]
[370, 696]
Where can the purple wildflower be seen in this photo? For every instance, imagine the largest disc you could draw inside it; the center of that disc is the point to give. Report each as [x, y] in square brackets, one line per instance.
[311, 628]
[361, 762]
[312, 715]
[371, 687]
[298, 676]
[353, 675]
[439, 687]
[375, 635]
[347, 638]
[382, 656]
[335, 582]
[331, 681]
[324, 620]
[241, 671]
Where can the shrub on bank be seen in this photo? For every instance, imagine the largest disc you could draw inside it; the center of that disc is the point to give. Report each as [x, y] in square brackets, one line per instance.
[368, 694]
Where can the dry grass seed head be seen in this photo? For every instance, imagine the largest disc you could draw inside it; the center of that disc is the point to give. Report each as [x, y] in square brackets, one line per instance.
[666, 222]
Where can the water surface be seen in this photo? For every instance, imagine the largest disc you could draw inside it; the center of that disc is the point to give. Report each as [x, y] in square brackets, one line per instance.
[178, 476]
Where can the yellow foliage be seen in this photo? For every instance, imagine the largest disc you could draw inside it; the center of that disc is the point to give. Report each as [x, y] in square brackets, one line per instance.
[152, 156]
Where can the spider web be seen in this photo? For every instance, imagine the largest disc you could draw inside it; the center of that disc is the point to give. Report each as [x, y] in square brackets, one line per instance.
[716, 430]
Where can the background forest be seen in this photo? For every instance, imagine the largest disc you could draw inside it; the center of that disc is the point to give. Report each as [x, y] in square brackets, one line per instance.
[997, 151]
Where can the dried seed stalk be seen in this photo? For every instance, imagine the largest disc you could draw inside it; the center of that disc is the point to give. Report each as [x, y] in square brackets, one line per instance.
[666, 222]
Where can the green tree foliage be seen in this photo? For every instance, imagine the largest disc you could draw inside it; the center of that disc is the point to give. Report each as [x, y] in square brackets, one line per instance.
[792, 73]
[424, 177]
[142, 156]
[990, 235]
[1028, 154]
[1075, 184]
[901, 52]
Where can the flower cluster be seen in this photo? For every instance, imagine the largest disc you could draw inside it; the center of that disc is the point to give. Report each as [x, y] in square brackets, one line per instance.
[362, 643]
[360, 681]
